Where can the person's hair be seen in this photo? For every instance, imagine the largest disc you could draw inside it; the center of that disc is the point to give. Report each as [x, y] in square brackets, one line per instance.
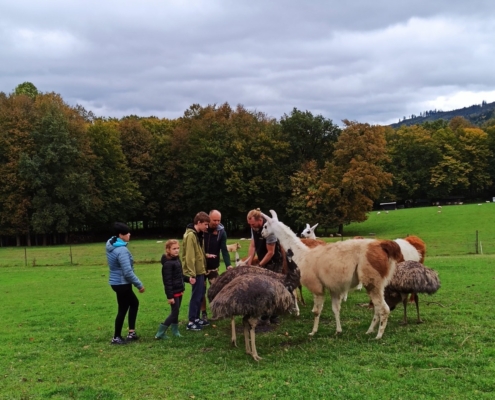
[120, 228]
[169, 244]
[201, 217]
[256, 214]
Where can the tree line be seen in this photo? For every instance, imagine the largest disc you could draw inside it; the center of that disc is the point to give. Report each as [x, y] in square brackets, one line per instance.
[65, 173]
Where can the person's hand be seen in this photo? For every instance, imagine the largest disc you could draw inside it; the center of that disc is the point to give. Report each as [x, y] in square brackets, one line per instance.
[142, 290]
[171, 301]
[211, 256]
[229, 267]
[192, 281]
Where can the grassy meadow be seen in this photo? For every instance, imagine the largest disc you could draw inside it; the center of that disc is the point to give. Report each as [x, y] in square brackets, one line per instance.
[58, 321]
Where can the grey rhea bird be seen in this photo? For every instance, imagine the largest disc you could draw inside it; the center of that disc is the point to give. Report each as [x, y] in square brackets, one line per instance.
[252, 293]
[410, 277]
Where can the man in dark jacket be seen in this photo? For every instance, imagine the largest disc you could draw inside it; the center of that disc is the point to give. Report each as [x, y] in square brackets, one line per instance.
[215, 240]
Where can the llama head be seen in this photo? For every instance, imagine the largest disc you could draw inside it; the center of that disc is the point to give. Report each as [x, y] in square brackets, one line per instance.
[268, 226]
[309, 232]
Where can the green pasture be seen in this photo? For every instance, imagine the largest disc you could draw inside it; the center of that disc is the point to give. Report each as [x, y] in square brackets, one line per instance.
[58, 320]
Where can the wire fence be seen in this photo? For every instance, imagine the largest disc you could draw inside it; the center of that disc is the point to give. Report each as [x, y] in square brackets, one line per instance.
[150, 251]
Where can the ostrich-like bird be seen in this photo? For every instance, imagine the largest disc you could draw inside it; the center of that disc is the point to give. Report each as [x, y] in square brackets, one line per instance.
[410, 277]
[253, 294]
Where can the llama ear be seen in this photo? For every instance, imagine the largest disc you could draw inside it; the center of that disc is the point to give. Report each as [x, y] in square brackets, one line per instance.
[307, 226]
[274, 215]
[314, 227]
[266, 217]
[237, 258]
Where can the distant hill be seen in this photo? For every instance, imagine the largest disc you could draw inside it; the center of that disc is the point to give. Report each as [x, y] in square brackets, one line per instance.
[476, 114]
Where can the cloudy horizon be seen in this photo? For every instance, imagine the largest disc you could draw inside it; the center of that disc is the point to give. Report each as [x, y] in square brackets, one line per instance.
[369, 62]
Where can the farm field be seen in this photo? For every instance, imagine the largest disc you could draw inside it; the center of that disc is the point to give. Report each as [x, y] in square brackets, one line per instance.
[58, 321]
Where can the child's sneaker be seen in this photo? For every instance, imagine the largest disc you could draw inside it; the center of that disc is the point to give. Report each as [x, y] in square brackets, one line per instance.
[202, 322]
[132, 336]
[118, 340]
[193, 326]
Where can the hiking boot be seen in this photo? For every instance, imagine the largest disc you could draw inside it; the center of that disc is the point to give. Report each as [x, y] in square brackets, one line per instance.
[132, 336]
[118, 340]
[202, 322]
[193, 326]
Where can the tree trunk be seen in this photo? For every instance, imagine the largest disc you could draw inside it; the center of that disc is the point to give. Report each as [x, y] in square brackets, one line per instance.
[28, 240]
[341, 229]
[18, 240]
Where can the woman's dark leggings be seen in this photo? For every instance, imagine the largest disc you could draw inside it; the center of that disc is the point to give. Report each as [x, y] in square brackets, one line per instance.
[127, 301]
[173, 318]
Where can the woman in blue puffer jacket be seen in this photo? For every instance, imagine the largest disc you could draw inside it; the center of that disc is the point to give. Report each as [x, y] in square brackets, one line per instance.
[121, 278]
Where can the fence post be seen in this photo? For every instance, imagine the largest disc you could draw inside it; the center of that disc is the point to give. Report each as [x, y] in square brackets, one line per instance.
[476, 242]
[25, 257]
[70, 250]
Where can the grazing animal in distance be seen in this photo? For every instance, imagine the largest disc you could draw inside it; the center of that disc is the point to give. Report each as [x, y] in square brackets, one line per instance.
[309, 232]
[410, 277]
[233, 247]
[339, 266]
[253, 294]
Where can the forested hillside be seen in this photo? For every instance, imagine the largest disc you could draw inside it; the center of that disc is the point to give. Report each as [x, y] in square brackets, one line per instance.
[475, 114]
[66, 175]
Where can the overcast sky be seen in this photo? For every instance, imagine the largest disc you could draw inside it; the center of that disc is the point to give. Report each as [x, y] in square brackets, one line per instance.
[368, 61]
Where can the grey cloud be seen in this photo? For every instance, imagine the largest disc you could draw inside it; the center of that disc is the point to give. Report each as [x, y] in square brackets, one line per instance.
[368, 61]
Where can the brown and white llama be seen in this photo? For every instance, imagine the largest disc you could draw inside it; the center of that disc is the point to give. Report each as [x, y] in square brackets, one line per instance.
[339, 267]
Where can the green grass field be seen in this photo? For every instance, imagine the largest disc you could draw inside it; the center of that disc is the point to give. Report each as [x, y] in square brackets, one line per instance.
[58, 321]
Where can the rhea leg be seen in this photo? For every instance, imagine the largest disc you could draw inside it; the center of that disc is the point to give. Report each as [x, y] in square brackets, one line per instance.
[404, 303]
[319, 299]
[296, 307]
[416, 300]
[253, 322]
[246, 326]
[301, 293]
[234, 336]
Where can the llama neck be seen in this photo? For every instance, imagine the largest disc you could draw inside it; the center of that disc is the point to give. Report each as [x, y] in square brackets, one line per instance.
[289, 240]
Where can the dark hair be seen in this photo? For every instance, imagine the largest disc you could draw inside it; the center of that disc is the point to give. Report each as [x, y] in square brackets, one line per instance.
[120, 228]
[201, 217]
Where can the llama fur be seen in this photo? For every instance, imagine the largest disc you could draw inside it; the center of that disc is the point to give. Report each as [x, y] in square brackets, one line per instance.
[340, 266]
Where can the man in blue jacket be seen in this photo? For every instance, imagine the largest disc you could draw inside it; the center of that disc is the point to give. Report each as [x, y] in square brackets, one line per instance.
[121, 278]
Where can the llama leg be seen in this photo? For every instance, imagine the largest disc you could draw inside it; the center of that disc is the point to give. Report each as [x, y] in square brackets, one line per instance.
[245, 323]
[253, 322]
[416, 300]
[234, 336]
[296, 307]
[381, 311]
[336, 298]
[319, 299]
[376, 315]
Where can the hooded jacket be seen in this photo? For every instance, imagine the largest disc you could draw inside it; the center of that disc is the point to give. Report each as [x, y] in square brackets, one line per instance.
[120, 263]
[214, 244]
[173, 280]
[193, 254]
